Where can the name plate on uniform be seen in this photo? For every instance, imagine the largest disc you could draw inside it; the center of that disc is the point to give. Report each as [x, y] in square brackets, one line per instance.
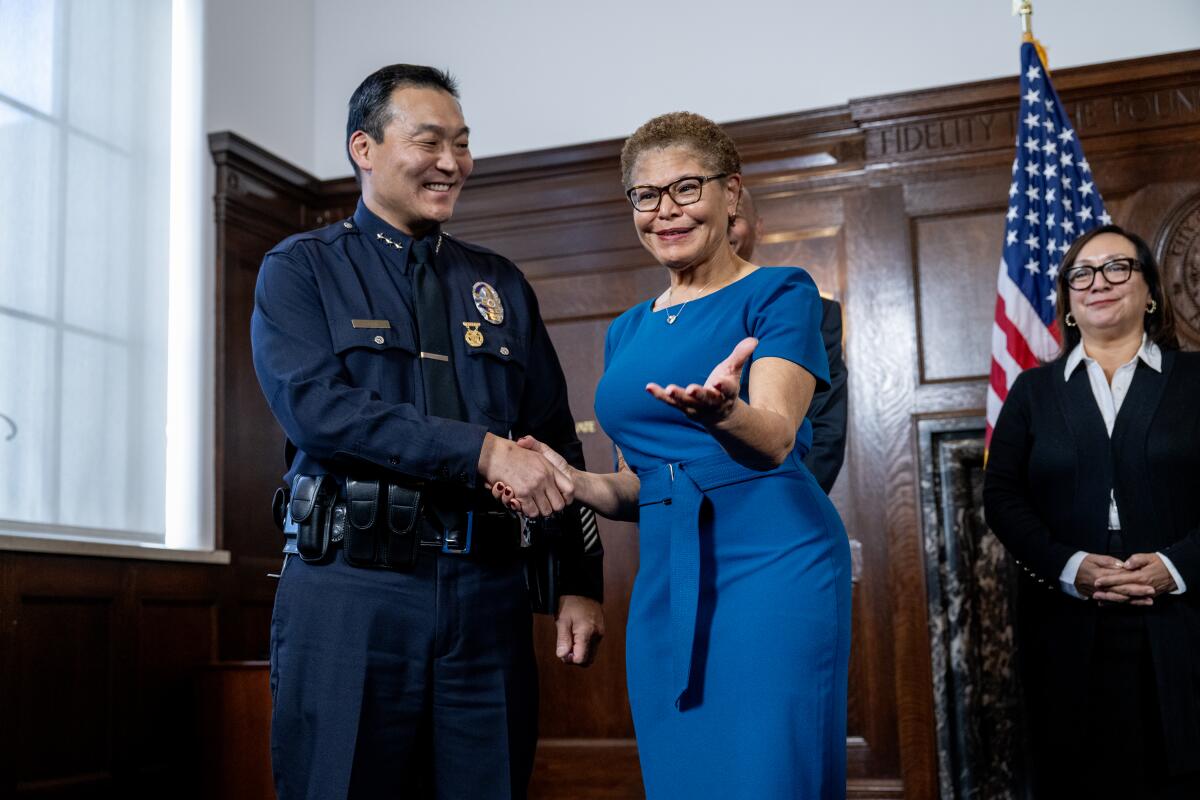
[370, 323]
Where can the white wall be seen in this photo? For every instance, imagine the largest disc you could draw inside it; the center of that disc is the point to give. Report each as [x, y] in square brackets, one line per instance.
[539, 74]
[258, 74]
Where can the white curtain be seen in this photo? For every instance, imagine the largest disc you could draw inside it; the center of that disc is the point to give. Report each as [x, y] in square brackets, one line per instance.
[85, 198]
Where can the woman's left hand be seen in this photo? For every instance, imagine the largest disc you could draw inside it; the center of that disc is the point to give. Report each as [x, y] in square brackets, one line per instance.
[1142, 569]
[714, 401]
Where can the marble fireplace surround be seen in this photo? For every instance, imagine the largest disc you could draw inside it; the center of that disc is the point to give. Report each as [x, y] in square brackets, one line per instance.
[970, 582]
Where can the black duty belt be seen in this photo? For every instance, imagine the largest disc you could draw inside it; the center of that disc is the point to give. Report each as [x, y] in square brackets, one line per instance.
[382, 524]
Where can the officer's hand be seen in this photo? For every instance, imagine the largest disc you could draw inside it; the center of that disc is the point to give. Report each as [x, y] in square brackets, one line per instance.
[580, 622]
[540, 489]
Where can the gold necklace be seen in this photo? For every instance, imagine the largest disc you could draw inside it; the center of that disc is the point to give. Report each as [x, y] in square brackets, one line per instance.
[670, 290]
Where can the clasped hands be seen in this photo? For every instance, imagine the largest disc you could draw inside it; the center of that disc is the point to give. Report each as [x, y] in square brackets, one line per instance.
[1137, 580]
[542, 489]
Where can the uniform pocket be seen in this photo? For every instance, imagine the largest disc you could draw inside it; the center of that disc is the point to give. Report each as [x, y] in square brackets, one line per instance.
[496, 375]
[378, 358]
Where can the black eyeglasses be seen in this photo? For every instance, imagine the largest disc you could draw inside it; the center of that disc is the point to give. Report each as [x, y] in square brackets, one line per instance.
[1116, 271]
[684, 192]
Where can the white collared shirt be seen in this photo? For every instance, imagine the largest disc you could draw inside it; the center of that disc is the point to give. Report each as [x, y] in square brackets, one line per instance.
[1109, 398]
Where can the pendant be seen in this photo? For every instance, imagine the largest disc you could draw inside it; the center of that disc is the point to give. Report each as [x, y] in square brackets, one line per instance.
[671, 318]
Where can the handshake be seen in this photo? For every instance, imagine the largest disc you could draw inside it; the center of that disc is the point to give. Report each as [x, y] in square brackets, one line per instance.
[526, 476]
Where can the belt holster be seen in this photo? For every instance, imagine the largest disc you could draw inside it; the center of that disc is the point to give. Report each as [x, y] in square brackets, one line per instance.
[381, 540]
[311, 508]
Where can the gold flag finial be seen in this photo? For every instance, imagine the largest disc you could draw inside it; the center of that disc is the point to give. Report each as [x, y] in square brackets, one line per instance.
[1025, 9]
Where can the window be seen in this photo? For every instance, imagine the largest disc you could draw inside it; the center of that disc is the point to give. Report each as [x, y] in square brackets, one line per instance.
[89, 180]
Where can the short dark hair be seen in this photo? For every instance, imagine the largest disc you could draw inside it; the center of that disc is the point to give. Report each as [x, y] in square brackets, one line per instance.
[1159, 326]
[370, 108]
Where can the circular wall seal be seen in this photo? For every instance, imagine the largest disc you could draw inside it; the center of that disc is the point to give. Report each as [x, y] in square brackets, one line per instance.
[1179, 258]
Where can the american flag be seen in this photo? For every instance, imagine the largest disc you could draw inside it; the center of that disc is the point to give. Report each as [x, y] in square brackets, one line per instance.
[1051, 201]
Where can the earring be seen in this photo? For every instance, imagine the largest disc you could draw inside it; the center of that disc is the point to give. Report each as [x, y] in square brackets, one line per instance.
[1150, 309]
[1070, 320]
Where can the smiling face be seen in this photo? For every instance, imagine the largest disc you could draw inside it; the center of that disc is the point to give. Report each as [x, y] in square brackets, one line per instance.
[1108, 310]
[680, 237]
[413, 177]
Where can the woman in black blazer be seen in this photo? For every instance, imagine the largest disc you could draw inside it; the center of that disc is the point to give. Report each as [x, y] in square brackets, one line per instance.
[1093, 485]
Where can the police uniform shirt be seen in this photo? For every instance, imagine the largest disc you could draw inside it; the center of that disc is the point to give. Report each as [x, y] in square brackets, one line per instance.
[337, 355]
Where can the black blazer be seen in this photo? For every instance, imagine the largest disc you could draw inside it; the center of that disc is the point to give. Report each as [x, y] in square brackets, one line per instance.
[827, 412]
[1050, 468]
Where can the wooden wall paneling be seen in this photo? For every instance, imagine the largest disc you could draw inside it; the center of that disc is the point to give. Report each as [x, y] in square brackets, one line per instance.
[883, 351]
[68, 647]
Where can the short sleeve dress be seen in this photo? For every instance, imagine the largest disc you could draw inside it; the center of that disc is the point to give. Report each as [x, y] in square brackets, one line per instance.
[738, 638]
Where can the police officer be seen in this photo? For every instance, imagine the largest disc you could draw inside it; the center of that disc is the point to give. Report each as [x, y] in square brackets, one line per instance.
[403, 363]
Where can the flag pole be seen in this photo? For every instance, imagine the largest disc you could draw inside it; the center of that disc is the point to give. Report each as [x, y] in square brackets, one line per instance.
[1025, 9]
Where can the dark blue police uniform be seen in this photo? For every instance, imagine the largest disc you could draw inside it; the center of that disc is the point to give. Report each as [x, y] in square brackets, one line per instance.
[416, 682]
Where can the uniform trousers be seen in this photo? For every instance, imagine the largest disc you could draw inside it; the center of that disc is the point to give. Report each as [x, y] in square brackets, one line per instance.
[403, 684]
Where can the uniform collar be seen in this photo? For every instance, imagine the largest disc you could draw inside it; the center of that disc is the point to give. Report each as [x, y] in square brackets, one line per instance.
[381, 232]
[1148, 352]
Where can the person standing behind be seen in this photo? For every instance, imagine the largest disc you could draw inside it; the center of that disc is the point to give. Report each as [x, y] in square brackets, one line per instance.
[828, 411]
[400, 362]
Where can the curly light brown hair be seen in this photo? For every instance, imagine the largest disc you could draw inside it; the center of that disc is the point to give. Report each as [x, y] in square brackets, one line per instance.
[682, 129]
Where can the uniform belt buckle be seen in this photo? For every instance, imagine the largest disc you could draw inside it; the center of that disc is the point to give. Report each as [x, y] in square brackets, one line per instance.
[453, 545]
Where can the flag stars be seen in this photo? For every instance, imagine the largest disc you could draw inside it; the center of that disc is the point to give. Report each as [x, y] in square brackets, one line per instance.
[1031, 217]
[1032, 266]
[1085, 214]
[1050, 219]
[1052, 297]
[1033, 96]
[1067, 225]
[1050, 171]
[1032, 120]
[1049, 148]
[1012, 213]
[1105, 219]
[1031, 169]
[1048, 124]
[1084, 165]
[1010, 238]
[1033, 242]
[1052, 273]
[1032, 193]
[1012, 189]
[1066, 159]
[1066, 135]
[1031, 145]
[1034, 72]
[1063, 248]
[1085, 188]
[1051, 194]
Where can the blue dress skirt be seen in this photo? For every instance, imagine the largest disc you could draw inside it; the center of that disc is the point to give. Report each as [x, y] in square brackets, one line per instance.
[739, 624]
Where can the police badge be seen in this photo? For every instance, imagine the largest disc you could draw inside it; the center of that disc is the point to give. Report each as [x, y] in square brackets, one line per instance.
[487, 300]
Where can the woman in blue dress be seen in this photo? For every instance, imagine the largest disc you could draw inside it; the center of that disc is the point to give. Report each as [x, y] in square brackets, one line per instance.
[739, 623]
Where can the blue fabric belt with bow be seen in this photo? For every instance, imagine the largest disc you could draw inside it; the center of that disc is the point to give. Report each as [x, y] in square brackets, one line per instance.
[682, 487]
